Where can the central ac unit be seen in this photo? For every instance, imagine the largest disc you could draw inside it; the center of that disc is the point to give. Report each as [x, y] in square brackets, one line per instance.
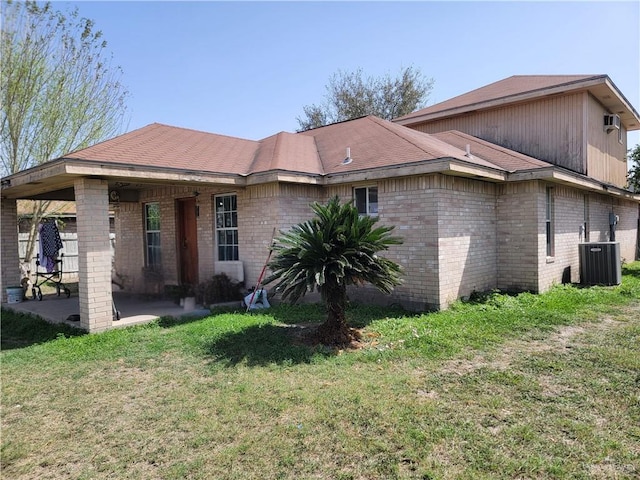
[600, 263]
[611, 122]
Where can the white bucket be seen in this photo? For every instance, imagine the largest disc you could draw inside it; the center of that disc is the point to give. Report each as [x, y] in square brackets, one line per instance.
[14, 294]
[189, 303]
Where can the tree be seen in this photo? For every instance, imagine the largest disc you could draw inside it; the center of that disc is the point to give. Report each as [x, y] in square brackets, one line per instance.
[633, 179]
[58, 89]
[350, 95]
[335, 249]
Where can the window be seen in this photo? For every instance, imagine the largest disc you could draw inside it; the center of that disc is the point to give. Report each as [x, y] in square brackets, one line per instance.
[549, 223]
[227, 227]
[585, 224]
[152, 235]
[366, 200]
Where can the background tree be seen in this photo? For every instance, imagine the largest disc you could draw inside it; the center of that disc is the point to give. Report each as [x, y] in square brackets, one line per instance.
[58, 89]
[634, 171]
[350, 95]
[335, 249]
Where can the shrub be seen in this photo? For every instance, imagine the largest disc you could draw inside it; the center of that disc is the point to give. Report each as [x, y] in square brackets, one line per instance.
[220, 288]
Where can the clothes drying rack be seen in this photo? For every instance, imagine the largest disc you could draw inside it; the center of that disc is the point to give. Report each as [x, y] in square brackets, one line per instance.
[54, 277]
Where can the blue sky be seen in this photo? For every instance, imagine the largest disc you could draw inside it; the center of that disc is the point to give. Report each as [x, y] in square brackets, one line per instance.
[246, 69]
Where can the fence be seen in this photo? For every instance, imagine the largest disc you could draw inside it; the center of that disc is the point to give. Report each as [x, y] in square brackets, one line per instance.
[70, 250]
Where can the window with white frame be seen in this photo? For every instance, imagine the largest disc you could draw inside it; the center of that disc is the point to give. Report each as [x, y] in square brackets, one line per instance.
[152, 235]
[227, 227]
[366, 199]
[550, 223]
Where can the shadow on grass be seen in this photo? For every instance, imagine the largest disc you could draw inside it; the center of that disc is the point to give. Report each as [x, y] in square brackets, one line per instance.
[282, 342]
[631, 269]
[19, 330]
[260, 345]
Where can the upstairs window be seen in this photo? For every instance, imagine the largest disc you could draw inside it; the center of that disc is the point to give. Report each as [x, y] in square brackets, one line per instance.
[366, 200]
[227, 227]
[152, 235]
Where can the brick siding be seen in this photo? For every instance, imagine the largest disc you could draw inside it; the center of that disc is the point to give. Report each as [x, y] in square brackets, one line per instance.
[460, 235]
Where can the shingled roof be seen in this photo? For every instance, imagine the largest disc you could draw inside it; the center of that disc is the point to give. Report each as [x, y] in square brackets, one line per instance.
[165, 146]
[373, 143]
[493, 154]
[521, 88]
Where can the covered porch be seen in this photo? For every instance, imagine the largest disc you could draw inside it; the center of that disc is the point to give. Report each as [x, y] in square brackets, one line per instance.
[133, 309]
[95, 189]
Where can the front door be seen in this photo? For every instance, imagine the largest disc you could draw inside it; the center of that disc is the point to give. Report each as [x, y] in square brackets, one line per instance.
[187, 241]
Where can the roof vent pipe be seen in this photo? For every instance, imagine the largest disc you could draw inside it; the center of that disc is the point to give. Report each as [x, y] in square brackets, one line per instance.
[468, 154]
[348, 158]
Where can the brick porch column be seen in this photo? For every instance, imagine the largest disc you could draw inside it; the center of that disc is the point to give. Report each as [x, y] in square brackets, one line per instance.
[9, 254]
[94, 256]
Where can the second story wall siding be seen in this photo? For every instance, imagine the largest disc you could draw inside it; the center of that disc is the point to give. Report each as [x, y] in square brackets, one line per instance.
[550, 129]
[605, 151]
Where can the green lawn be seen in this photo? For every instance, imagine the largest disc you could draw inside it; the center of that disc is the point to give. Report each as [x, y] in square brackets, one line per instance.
[528, 386]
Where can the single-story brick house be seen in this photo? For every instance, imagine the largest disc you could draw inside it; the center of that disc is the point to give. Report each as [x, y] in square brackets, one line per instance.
[492, 189]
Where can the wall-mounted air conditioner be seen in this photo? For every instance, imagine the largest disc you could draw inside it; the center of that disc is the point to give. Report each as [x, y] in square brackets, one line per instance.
[611, 123]
[600, 263]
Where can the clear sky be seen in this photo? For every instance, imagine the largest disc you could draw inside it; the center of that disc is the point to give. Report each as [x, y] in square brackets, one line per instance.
[246, 69]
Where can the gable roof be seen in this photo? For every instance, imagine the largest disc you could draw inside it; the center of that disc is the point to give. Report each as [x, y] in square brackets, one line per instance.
[521, 88]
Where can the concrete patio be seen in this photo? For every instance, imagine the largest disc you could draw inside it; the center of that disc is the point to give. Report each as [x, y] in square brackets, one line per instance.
[133, 310]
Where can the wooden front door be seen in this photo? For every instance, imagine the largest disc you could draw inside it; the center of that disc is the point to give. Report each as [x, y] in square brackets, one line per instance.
[187, 232]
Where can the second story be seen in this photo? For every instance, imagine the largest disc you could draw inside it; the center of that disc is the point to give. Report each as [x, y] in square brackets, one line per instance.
[579, 122]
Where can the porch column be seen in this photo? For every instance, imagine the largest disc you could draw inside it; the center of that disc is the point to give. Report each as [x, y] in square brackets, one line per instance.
[94, 256]
[9, 254]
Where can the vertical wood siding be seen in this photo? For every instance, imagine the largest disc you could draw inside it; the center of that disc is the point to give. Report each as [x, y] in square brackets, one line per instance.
[606, 159]
[551, 129]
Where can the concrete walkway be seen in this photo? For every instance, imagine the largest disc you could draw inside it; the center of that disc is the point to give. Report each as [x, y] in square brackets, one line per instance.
[133, 310]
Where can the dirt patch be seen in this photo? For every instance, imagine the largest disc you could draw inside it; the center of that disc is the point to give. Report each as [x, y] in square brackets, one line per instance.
[307, 334]
[560, 342]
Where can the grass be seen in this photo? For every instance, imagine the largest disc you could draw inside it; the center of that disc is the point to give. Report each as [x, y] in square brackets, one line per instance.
[527, 386]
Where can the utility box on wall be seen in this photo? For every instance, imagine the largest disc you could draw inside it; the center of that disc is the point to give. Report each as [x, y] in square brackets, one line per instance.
[600, 263]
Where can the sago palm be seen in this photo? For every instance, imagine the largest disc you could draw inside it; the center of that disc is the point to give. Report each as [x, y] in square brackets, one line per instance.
[335, 249]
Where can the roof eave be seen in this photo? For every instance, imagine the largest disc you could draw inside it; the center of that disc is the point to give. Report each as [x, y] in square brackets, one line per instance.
[62, 173]
[447, 166]
[577, 85]
[565, 177]
[283, 176]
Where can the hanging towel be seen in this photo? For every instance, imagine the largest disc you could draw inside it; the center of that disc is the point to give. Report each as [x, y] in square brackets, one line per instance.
[50, 245]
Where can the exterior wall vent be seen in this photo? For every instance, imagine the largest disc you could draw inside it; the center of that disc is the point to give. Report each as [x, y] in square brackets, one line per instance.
[600, 263]
[611, 123]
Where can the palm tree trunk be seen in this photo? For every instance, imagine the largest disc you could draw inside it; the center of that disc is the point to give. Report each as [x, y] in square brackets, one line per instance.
[334, 331]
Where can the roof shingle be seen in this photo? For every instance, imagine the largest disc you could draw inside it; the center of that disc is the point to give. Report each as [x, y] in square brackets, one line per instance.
[502, 89]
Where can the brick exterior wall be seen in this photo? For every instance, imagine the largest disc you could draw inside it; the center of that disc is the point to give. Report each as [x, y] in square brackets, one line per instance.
[448, 226]
[563, 266]
[129, 258]
[10, 275]
[517, 211]
[467, 251]
[626, 231]
[94, 254]
[460, 235]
